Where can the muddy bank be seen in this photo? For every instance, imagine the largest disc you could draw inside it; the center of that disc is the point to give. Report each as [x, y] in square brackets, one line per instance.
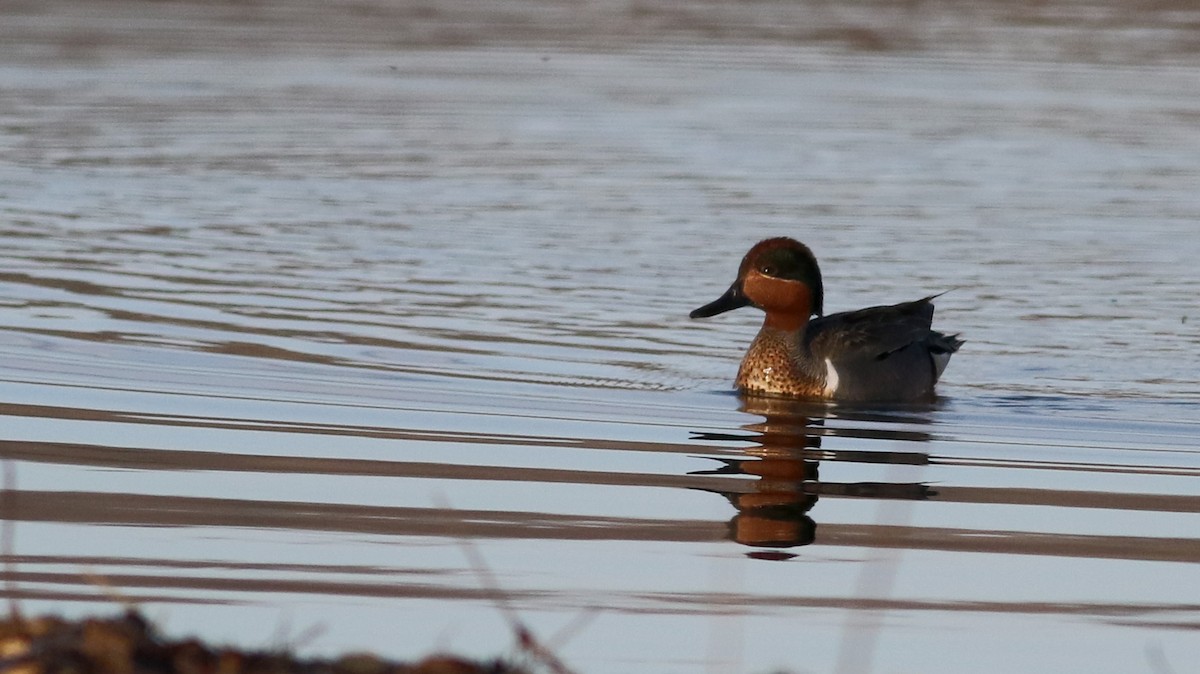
[129, 643]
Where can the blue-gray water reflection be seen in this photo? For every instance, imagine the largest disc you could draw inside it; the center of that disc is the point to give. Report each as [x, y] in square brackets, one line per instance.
[296, 300]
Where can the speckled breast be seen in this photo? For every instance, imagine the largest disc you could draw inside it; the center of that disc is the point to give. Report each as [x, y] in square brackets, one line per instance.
[771, 366]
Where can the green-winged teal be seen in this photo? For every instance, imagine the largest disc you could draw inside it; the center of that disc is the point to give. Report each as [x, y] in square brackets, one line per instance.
[886, 353]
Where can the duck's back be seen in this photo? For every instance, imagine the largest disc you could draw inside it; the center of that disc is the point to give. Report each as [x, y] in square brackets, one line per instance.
[881, 353]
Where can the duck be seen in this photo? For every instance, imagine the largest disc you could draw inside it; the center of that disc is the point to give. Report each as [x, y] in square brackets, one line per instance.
[877, 354]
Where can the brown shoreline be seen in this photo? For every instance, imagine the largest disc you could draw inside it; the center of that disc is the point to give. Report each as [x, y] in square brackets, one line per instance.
[129, 643]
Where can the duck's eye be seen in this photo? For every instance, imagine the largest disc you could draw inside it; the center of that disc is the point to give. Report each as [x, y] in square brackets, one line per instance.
[767, 270]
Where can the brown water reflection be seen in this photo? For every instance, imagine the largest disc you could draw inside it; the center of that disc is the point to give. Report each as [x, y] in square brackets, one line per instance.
[784, 464]
[781, 486]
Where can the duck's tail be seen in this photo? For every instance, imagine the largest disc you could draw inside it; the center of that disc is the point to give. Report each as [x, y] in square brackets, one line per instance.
[941, 347]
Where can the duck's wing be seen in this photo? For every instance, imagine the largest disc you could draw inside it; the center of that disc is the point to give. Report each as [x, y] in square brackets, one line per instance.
[872, 333]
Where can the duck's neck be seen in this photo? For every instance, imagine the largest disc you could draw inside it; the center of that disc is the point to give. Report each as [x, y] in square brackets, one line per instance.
[785, 322]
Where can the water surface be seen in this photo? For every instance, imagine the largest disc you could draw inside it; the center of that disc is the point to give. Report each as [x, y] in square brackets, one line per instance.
[302, 303]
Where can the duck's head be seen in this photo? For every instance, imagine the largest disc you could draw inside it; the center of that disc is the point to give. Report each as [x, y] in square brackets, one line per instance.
[779, 276]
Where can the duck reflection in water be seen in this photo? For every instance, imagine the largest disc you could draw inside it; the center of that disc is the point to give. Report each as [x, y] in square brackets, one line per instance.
[773, 510]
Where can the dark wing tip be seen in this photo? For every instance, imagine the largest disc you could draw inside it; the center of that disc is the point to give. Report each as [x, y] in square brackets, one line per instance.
[940, 343]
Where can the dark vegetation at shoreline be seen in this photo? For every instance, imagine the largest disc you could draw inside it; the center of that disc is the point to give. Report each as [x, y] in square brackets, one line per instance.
[130, 644]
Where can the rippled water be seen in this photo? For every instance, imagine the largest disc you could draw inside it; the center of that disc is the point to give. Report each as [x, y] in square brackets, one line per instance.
[300, 301]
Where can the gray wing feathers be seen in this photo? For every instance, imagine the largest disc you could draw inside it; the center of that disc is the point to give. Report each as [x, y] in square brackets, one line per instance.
[872, 333]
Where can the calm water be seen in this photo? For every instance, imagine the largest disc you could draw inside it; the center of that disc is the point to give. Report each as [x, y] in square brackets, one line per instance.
[301, 300]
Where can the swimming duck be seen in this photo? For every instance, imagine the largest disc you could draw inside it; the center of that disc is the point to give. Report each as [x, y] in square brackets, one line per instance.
[886, 353]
